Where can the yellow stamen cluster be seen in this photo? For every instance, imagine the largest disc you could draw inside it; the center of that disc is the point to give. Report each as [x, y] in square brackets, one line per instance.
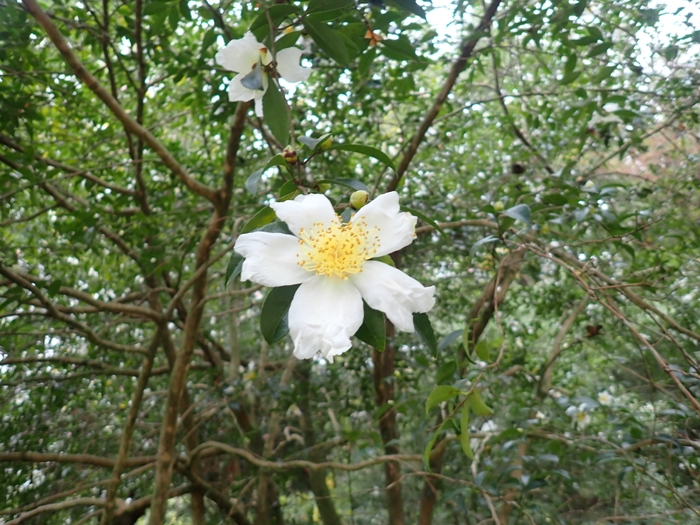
[339, 249]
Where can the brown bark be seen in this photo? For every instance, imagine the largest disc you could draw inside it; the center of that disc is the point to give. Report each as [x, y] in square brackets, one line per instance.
[317, 478]
[478, 318]
[384, 389]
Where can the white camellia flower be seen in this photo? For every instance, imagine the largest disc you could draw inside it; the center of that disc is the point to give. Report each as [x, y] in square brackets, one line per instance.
[604, 398]
[580, 418]
[331, 261]
[251, 60]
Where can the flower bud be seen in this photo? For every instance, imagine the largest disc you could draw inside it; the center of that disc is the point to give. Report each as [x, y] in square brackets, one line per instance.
[324, 187]
[326, 144]
[498, 206]
[290, 155]
[359, 199]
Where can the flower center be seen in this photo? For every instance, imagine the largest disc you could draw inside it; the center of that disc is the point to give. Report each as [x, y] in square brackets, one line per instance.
[339, 249]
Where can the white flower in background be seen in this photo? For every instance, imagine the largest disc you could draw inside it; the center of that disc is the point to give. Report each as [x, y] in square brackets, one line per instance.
[252, 61]
[604, 398]
[580, 418]
[331, 261]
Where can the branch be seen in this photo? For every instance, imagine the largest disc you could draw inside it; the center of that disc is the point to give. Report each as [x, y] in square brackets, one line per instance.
[457, 67]
[130, 124]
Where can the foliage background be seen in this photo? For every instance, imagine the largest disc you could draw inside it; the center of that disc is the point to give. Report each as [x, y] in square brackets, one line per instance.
[556, 143]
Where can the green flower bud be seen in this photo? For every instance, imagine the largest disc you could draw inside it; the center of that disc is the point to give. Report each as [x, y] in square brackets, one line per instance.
[359, 199]
[326, 144]
[498, 206]
[324, 187]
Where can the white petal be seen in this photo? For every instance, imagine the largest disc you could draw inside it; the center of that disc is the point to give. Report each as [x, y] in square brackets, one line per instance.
[288, 65]
[324, 314]
[391, 291]
[258, 107]
[240, 55]
[304, 211]
[396, 228]
[270, 259]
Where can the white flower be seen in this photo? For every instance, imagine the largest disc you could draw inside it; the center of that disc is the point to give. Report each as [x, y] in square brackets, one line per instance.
[251, 60]
[604, 398]
[580, 418]
[331, 261]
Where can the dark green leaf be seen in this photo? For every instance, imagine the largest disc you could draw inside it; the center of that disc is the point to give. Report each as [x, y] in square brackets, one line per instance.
[569, 77]
[278, 12]
[520, 212]
[424, 329]
[264, 216]
[431, 442]
[448, 340]
[446, 372]
[273, 312]
[348, 183]
[373, 328]
[275, 113]
[480, 243]
[367, 150]
[235, 265]
[409, 5]
[316, 6]
[427, 220]
[328, 40]
[483, 351]
[54, 287]
[251, 183]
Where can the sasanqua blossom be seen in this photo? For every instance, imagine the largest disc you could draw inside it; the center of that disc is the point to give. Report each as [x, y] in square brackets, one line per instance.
[333, 263]
[252, 61]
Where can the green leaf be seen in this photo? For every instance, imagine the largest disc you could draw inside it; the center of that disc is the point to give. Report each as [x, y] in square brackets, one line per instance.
[439, 394]
[274, 310]
[278, 12]
[605, 72]
[373, 328]
[477, 404]
[483, 351]
[426, 219]
[409, 5]
[287, 190]
[521, 213]
[235, 265]
[569, 77]
[399, 49]
[446, 372]
[348, 183]
[448, 340]
[275, 113]
[54, 287]
[251, 183]
[599, 49]
[314, 144]
[317, 6]
[478, 244]
[425, 330]
[328, 40]
[264, 216]
[570, 63]
[288, 40]
[431, 442]
[386, 259]
[368, 151]
[464, 432]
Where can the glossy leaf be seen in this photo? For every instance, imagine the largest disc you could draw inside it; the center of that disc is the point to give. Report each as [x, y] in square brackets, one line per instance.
[272, 317]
